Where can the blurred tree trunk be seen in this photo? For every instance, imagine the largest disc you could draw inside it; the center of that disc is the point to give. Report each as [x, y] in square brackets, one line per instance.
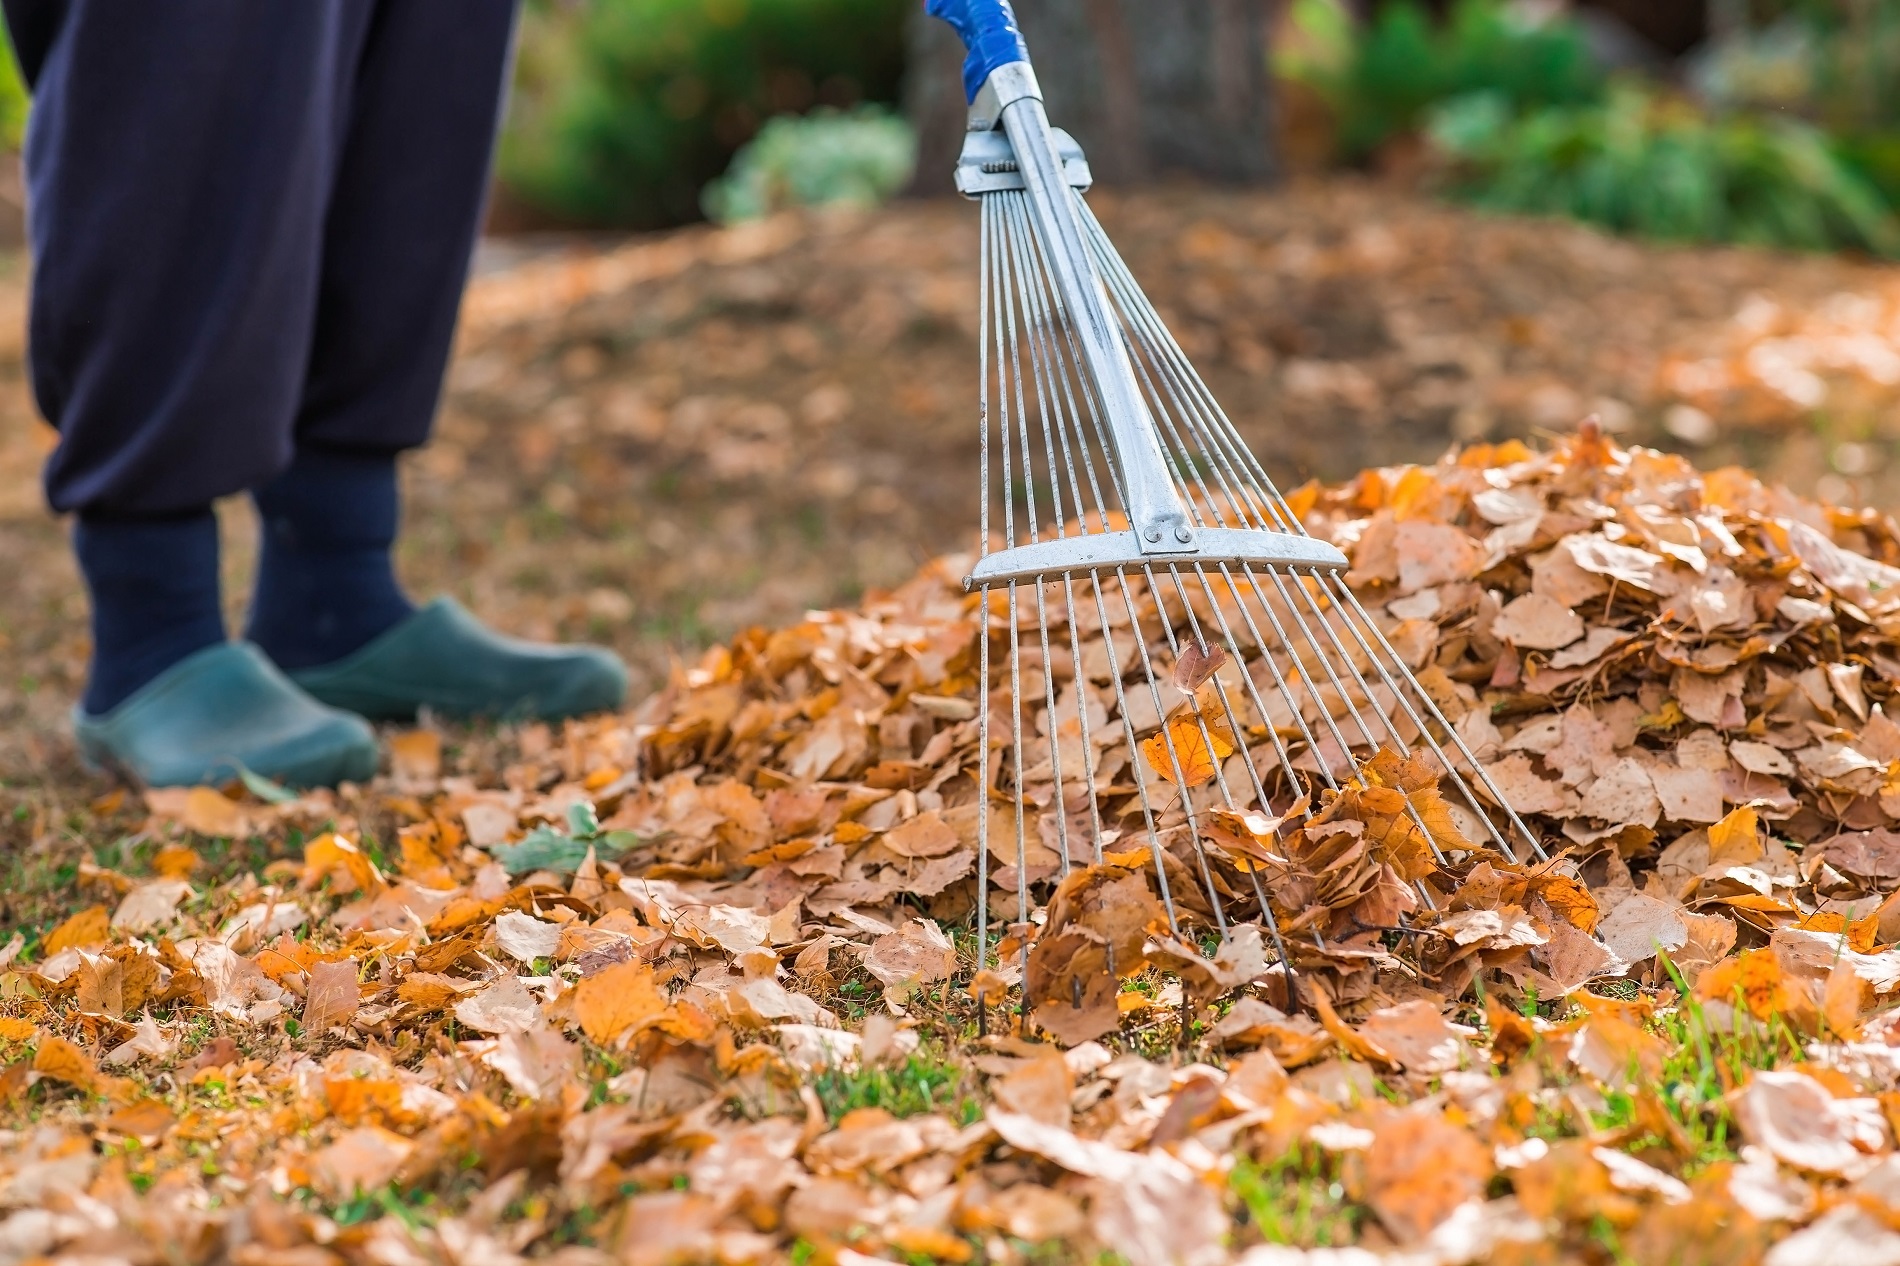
[1147, 88]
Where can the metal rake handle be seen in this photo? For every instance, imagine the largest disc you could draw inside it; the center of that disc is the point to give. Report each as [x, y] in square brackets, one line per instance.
[1001, 86]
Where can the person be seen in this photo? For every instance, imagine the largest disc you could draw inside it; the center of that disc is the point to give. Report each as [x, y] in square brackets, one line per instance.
[250, 227]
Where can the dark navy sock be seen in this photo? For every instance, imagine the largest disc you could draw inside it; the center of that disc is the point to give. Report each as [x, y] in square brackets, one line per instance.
[154, 587]
[325, 584]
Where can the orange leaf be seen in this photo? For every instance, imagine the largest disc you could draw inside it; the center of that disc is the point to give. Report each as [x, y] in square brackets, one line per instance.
[91, 926]
[1842, 1001]
[146, 1119]
[60, 1060]
[416, 754]
[347, 866]
[1566, 897]
[176, 861]
[617, 1000]
[1755, 976]
[1191, 747]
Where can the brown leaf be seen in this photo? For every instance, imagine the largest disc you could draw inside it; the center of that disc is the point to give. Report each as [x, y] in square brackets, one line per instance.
[1805, 1127]
[926, 835]
[504, 1007]
[1418, 1037]
[1039, 1088]
[1197, 662]
[331, 998]
[1534, 622]
[919, 953]
[1419, 1168]
[364, 1159]
[537, 1063]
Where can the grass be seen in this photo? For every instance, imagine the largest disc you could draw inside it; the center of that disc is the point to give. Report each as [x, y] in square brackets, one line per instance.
[927, 1081]
[1298, 1200]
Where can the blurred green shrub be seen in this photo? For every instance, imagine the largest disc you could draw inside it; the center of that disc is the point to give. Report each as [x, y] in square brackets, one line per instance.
[625, 109]
[1379, 80]
[826, 158]
[1642, 163]
[13, 97]
[1836, 65]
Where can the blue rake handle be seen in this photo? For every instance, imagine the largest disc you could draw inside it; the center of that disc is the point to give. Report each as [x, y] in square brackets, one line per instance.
[988, 29]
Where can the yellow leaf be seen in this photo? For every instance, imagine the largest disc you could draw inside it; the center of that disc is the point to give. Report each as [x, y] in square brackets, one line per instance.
[1736, 839]
[1191, 746]
[14, 1029]
[91, 926]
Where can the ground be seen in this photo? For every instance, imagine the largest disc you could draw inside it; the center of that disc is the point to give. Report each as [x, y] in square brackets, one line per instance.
[661, 443]
[658, 443]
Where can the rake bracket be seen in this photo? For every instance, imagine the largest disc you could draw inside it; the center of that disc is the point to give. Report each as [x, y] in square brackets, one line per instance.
[1103, 551]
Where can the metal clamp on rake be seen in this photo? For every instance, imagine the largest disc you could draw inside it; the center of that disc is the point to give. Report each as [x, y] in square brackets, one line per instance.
[1142, 547]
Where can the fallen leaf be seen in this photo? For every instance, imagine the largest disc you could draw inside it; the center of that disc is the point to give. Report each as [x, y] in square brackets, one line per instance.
[617, 1001]
[90, 927]
[525, 938]
[415, 755]
[1419, 1169]
[504, 1007]
[1183, 739]
[1535, 622]
[1805, 1127]
[332, 996]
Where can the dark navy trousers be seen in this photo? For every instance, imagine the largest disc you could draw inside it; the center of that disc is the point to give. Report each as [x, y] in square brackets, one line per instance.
[251, 221]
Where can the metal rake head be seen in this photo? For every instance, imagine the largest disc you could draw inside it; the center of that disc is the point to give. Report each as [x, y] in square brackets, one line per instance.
[1191, 679]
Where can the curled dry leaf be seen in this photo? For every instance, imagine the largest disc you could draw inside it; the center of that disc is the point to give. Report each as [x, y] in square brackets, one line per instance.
[331, 997]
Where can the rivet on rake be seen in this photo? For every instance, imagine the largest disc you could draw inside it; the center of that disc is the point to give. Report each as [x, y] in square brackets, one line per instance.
[1154, 534]
[1182, 535]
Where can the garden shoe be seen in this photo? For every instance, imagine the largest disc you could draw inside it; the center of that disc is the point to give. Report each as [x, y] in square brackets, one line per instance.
[221, 710]
[445, 659]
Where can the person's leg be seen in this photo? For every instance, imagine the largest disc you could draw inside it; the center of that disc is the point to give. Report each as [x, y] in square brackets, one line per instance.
[176, 164]
[403, 218]
[178, 160]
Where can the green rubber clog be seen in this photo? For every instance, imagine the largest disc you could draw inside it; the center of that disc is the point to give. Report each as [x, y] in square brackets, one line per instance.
[224, 708]
[443, 658]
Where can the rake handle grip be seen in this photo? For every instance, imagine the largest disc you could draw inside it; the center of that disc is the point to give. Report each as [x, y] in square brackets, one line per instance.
[988, 29]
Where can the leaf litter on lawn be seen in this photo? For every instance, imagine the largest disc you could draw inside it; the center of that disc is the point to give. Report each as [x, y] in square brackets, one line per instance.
[418, 1039]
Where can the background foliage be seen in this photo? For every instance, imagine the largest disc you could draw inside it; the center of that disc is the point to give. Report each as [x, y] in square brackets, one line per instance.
[1380, 80]
[828, 157]
[626, 109]
[1645, 164]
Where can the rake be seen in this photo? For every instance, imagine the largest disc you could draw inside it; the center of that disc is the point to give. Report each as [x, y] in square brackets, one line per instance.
[1131, 541]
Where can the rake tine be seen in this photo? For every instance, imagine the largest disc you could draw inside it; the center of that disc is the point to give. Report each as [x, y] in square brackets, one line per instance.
[1150, 488]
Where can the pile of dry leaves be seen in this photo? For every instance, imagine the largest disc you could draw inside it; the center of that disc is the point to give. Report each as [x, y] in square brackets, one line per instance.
[697, 983]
